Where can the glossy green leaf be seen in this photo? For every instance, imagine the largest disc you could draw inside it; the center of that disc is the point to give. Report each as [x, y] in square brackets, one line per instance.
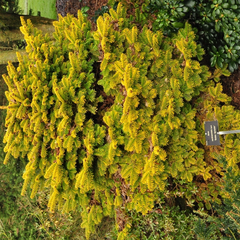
[225, 5]
[220, 62]
[177, 24]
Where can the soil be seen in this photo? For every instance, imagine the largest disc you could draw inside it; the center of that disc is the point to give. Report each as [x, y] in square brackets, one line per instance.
[231, 85]
[72, 6]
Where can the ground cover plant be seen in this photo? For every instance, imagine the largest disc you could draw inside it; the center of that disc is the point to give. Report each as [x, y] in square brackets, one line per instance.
[224, 223]
[113, 141]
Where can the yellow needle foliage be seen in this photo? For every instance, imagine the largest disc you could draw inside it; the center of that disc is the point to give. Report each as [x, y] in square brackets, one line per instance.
[148, 143]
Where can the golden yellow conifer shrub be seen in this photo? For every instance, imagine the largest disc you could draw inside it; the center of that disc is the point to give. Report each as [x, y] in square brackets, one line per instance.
[148, 143]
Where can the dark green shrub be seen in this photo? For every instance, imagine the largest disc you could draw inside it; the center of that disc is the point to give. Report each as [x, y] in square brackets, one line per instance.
[216, 22]
[100, 12]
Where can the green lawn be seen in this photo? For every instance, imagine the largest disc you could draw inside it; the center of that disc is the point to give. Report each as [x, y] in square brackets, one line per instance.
[46, 7]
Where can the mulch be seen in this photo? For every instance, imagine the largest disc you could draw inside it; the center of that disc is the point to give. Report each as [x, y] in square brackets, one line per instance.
[72, 6]
[231, 86]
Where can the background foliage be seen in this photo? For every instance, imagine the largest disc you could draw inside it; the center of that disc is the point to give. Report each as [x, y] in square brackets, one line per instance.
[10, 6]
[216, 24]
